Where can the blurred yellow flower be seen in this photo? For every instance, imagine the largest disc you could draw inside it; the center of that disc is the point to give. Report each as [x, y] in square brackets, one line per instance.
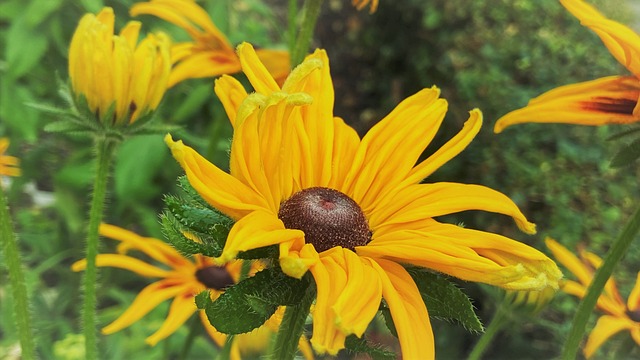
[8, 164]
[209, 53]
[353, 210]
[120, 79]
[183, 280]
[618, 315]
[609, 100]
[361, 4]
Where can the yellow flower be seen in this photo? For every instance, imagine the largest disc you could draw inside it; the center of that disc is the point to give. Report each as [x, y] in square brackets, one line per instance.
[209, 53]
[8, 164]
[361, 4]
[351, 210]
[184, 279]
[609, 100]
[115, 71]
[618, 315]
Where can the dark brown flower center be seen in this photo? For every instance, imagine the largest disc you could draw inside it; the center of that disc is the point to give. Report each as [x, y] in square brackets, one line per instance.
[214, 277]
[328, 218]
[634, 315]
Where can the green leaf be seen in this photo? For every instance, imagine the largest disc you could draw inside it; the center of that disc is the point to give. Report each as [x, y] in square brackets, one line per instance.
[138, 162]
[173, 233]
[627, 154]
[267, 252]
[66, 126]
[198, 218]
[38, 10]
[248, 304]
[203, 299]
[198, 97]
[375, 351]
[445, 300]
[192, 194]
[25, 48]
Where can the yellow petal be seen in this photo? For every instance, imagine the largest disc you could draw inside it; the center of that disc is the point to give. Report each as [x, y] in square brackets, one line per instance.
[606, 327]
[221, 190]
[296, 257]
[633, 302]
[604, 303]
[408, 310]
[609, 100]
[407, 130]
[430, 200]
[202, 64]
[257, 73]
[182, 307]
[277, 63]
[123, 262]
[147, 299]
[217, 337]
[256, 230]
[570, 261]
[345, 145]
[231, 93]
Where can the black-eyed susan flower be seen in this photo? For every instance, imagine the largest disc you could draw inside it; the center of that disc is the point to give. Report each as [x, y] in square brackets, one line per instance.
[120, 79]
[8, 164]
[618, 315]
[361, 4]
[353, 210]
[180, 279]
[609, 100]
[209, 53]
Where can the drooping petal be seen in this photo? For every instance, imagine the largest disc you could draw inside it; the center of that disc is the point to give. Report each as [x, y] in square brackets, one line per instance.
[231, 93]
[609, 100]
[202, 64]
[221, 190]
[182, 307]
[410, 316]
[296, 257]
[604, 303]
[150, 297]
[606, 327]
[123, 262]
[633, 302]
[258, 229]
[407, 130]
[255, 70]
[570, 261]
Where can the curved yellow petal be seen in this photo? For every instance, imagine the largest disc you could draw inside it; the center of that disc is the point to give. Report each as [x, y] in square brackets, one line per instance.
[217, 337]
[231, 93]
[609, 100]
[277, 63]
[604, 303]
[409, 313]
[123, 262]
[407, 130]
[296, 257]
[345, 145]
[570, 261]
[202, 64]
[256, 230]
[633, 302]
[262, 81]
[606, 327]
[360, 4]
[422, 201]
[182, 307]
[147, 299]
[611, 288]
[221, 190]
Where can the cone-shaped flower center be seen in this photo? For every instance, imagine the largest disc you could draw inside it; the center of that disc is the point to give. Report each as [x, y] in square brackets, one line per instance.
[214, 277]
[328, 218]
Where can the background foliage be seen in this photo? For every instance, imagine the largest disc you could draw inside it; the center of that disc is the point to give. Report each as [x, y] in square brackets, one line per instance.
[494, 55]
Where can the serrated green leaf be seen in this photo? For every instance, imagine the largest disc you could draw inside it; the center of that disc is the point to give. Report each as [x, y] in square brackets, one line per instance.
[627, 154]
[191, 193]
[361, 345]
[445, 300]
[248, 304]
[199, 219]
[173, 232]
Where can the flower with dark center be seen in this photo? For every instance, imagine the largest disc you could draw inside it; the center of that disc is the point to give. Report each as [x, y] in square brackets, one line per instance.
[215, 277]
[618, 315]
[352, 211]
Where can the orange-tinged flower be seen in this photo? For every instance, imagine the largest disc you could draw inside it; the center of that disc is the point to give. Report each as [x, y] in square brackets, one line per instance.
[182, 279]
[209, 53]
[609, 100]
[361, 4]
[618, 315]
[8, 164]
[353, 210]
[114, 72]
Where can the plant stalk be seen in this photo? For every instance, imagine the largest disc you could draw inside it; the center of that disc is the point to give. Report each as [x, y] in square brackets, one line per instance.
[105, 148]
[16, 278]
[500, 319]
[586, 306]
[310, 14]
[288, 336]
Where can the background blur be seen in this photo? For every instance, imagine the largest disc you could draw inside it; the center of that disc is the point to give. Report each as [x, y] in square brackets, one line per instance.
[494, 55]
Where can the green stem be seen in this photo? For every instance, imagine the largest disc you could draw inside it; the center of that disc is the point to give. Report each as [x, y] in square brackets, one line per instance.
[194, 331]
[291, 26]
[500, 319]
[288, 336]
[310, 13]
[617, 250]
[104, 152]
[16, 277]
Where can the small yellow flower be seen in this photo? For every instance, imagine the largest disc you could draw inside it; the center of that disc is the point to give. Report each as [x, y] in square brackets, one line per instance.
[114, 71]
[183, 280]
[361, 4]
[609, 100]
[353, 210]
[618, 315]
[8, 164]
[209, 53]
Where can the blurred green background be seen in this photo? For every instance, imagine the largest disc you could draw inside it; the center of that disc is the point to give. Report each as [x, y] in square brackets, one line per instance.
[493, 55]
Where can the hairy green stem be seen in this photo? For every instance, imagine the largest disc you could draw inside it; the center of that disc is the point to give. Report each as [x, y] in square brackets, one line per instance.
[16, 278]
[310, 13]
[617, 250]
[288, 336]
[104, 153]
[500, 319]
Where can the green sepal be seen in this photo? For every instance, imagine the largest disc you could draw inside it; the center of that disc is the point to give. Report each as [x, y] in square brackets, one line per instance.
[203, 299]
[173, 231]
[191, 194]
[445, 300]
[375, 351]
[248, 304]
[627, 154]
